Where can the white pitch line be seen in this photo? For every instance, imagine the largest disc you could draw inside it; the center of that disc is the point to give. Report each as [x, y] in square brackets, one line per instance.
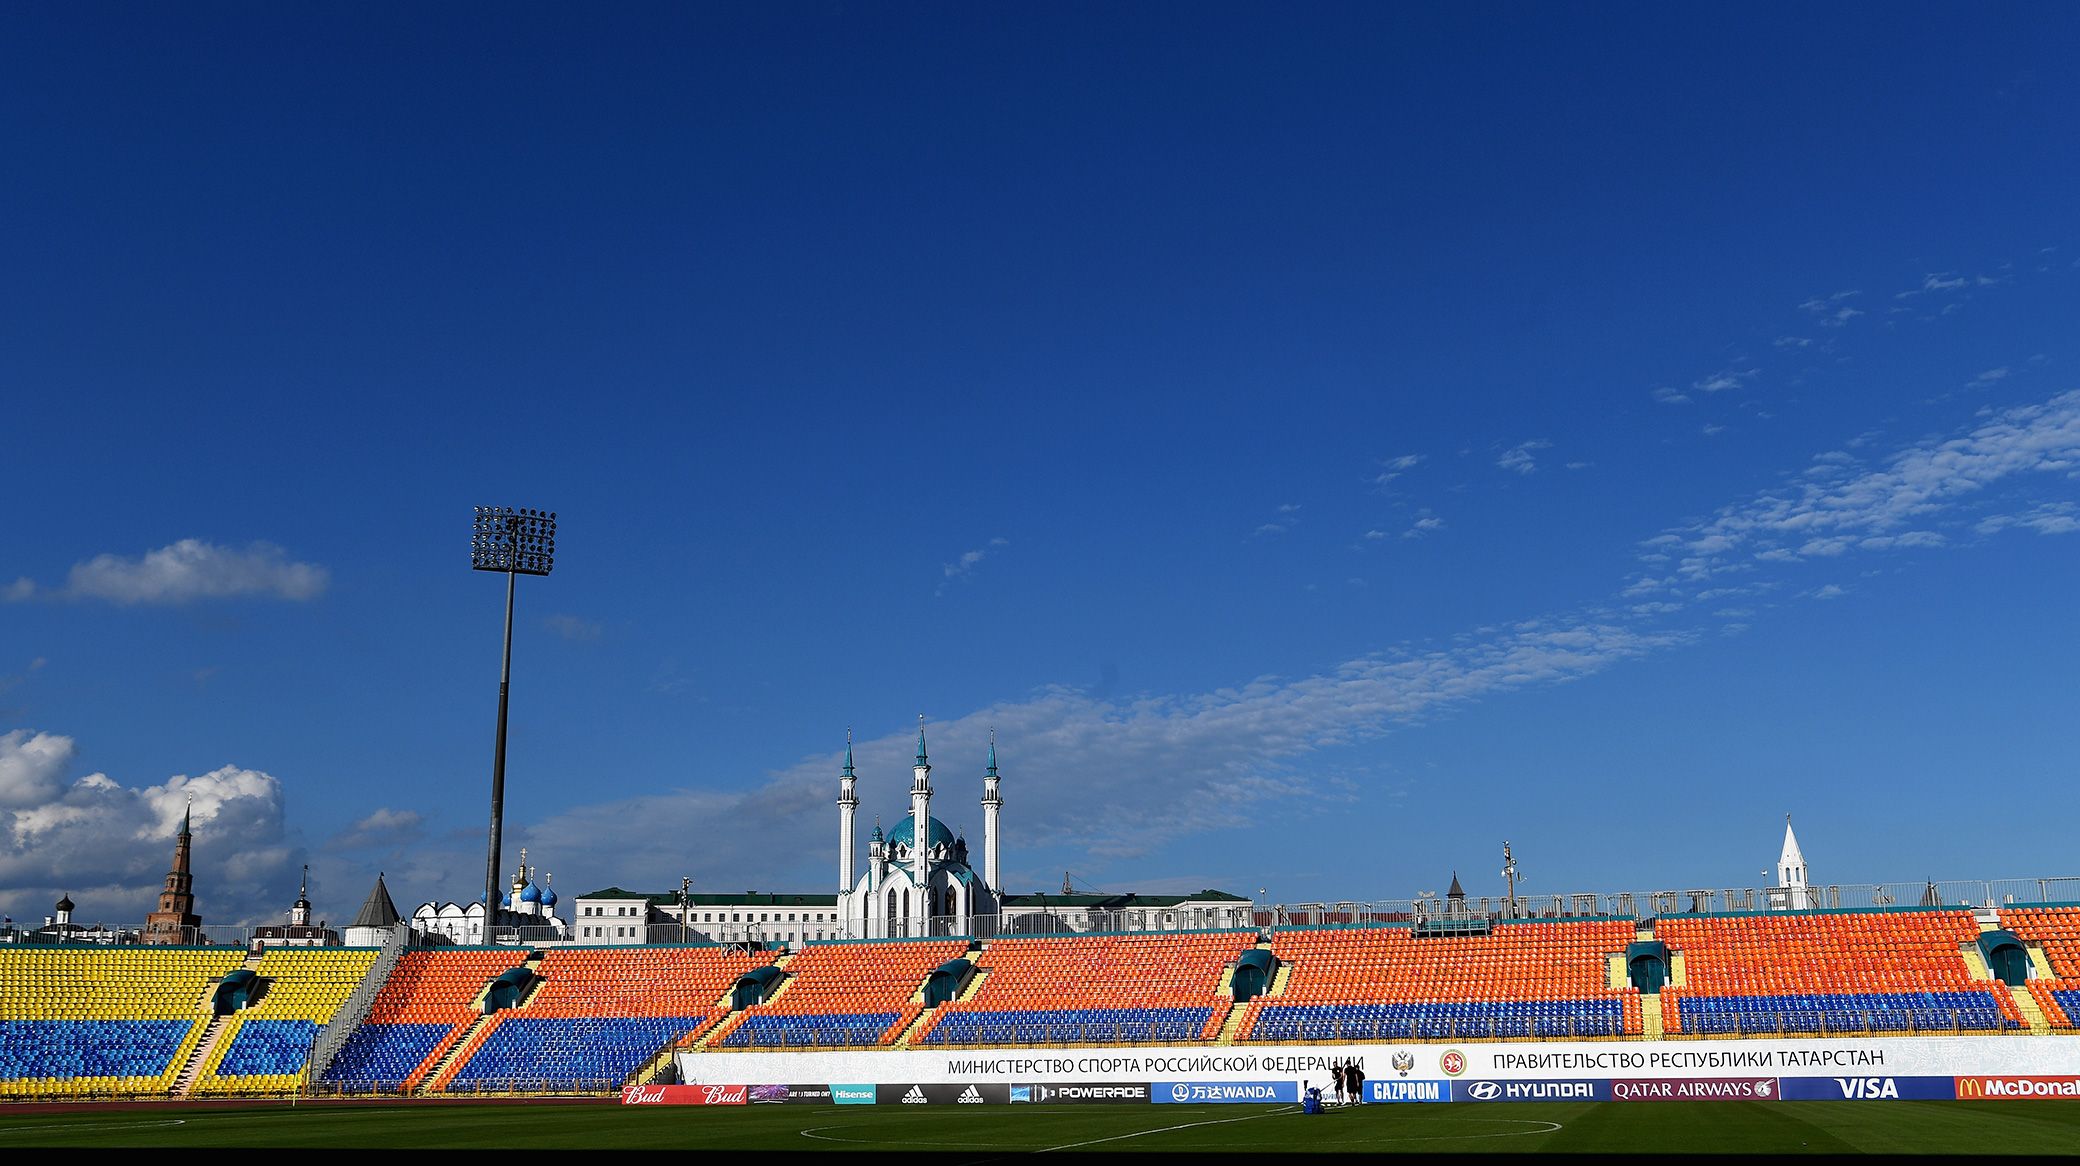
[1164, 1130]
[99, 1125]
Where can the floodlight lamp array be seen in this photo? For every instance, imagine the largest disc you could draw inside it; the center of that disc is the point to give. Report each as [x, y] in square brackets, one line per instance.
[518, 540]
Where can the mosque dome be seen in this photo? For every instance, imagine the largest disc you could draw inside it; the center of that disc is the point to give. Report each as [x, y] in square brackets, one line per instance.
[905, 833]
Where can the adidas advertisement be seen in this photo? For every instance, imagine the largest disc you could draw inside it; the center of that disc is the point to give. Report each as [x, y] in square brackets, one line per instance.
[1080, 1093]
[975, 1094]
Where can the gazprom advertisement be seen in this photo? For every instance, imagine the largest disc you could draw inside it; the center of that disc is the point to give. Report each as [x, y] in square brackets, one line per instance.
[1398, 1090]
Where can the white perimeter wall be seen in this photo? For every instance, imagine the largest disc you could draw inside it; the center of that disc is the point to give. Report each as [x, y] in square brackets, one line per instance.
[1523, 1060]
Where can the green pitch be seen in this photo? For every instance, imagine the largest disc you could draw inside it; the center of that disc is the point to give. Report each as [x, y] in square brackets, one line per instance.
[954, 1135]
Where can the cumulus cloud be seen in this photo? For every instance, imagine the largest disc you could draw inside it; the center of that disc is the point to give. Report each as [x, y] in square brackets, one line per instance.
[95, 837]
[186, 571]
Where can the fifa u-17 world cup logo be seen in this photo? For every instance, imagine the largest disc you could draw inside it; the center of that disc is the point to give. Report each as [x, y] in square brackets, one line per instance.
[1403, 1062]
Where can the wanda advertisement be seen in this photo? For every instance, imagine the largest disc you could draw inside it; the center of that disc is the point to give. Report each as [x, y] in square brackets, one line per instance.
[685, 1094]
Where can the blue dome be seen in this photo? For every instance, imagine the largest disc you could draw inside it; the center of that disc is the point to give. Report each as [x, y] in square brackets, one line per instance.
[548, 896]
[531, 894]
[506, 900]
[905, 832]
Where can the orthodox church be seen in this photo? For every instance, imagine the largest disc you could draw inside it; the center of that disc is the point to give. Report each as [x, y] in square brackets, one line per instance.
[527, 910]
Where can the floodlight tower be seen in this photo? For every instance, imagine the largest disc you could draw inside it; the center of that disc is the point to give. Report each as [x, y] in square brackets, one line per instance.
[518, 542]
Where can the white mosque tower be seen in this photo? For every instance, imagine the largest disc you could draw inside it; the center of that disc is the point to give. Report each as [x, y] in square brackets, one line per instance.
[992, 801]
[917, 879]
[848, 805]
[1794, 890]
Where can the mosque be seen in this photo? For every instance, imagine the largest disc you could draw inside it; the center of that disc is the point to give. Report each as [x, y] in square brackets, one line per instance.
[918, 880]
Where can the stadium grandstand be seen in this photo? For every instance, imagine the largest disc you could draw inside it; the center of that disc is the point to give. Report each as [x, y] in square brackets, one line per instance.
[104, 1013]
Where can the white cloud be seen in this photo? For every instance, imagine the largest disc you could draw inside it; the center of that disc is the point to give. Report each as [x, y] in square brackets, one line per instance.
[961, 568]
[1724, 379]
[1519, 459]
[2047, 518]
[1989, 377]
[574, 628]
[95, 834]
[1831, 591]
[1830, 311]
[1423, 526]
[1162, 767]
[186, 571]
[1824, 513]
[32, 767]
[1268, 528]
[1668, 396]
[1793, 342]
[1396, 466]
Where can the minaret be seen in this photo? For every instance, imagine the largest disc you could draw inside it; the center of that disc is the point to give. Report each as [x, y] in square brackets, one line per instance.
[992, 801]
[877, 853]
[921, 815]
[848, 804]
[300, 914]
[175, 921]
[1791, 872]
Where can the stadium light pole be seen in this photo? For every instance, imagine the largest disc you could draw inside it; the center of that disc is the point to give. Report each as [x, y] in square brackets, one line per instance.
[517, 542]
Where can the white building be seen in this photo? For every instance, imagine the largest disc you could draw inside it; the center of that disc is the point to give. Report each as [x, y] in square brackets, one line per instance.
[1794, 891]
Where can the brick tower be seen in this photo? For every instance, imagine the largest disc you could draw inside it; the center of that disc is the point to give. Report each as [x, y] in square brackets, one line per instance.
[175, 921]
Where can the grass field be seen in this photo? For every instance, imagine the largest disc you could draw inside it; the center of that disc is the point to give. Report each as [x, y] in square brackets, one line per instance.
[953, 1135]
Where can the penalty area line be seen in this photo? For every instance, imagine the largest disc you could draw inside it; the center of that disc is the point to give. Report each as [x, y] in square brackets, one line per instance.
[1221, 1121]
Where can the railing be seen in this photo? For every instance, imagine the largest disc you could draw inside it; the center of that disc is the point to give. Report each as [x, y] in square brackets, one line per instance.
[1845, 1022]
[355, 1008]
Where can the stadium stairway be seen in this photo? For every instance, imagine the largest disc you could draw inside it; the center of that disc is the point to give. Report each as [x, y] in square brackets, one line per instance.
[2026, 1004]
[191, 1070]
[440, 1065]
[448, 1057]
[212, 1032]
[1650, 1016]
[1974, 961]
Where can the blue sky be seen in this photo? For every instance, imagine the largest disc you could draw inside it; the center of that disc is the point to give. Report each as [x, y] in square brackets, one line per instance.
[1323, 444]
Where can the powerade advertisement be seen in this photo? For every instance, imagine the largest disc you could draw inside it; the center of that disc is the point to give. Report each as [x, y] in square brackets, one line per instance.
[1225, 1092]
[1080, 1093]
